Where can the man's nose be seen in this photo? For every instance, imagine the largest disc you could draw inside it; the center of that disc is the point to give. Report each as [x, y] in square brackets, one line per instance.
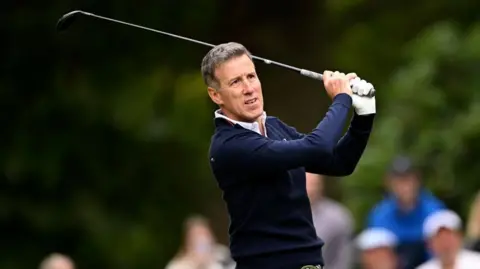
[248, 87]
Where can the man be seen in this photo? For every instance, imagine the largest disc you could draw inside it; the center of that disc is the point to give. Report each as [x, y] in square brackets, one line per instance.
[333, 223]
[444, 238]
[200, 249]
[260, 163]
[377, 249]
[404, 210]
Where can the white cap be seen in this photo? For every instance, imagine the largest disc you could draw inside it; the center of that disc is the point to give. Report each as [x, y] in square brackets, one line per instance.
[376, 238]
[441, 219]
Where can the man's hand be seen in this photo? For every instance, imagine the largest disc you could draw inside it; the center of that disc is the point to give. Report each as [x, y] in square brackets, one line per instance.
[361, 102]
[336, 83]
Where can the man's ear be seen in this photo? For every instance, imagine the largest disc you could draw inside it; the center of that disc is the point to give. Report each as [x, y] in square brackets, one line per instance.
[215, 96]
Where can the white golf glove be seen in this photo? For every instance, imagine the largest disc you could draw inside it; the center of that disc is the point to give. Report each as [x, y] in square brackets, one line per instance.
[362, 103]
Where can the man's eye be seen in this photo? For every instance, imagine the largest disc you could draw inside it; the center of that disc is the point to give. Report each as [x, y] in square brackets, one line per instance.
[251, 76]
[235, 82]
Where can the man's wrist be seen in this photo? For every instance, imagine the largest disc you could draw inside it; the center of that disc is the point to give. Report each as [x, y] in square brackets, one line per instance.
[343, 98]
[364, 105]
[362, 122]
[365, 110]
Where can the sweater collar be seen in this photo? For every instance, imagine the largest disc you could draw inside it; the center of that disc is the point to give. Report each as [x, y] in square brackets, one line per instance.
[252, 126]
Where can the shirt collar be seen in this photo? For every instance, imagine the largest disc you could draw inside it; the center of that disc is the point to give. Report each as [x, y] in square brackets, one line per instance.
[253, 126]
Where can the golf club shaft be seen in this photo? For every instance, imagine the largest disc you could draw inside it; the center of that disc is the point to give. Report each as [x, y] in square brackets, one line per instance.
[66, 19]
[304, 72]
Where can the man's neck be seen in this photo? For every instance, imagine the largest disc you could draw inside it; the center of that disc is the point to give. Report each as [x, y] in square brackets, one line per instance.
[230, 116]
[256, 125]
[407, 206]
[448, 266]
[448, 262]
[260, 124]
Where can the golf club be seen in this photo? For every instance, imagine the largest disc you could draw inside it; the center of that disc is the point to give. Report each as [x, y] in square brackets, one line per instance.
[66, 20]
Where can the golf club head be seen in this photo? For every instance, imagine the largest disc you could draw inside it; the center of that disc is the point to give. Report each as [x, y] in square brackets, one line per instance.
[66, 20]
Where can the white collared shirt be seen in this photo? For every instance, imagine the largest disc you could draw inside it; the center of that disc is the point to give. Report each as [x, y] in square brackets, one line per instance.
[466, 259]
[253, 126]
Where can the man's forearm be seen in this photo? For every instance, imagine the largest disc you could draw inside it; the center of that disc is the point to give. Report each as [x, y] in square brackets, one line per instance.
[349, 149]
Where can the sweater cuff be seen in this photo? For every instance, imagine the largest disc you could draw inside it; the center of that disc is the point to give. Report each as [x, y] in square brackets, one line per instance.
[344, 99]
[363, 122]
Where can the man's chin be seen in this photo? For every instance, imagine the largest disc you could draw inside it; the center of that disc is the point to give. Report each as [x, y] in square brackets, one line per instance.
[252, 116]
[255, 116]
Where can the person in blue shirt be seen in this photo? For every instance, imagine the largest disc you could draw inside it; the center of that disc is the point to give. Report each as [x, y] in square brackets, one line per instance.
[404, 210]
[260, 163]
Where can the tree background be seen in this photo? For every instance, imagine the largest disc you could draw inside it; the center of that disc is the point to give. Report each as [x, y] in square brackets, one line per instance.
[106, 128]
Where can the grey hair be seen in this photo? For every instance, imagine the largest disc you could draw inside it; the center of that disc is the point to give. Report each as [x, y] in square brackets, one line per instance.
[217, 56]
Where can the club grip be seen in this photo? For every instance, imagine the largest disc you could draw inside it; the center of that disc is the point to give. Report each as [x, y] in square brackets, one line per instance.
[319, 76]
[311, 74]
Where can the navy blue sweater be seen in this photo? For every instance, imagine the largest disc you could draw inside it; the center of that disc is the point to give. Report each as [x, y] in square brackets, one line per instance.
[263, 183]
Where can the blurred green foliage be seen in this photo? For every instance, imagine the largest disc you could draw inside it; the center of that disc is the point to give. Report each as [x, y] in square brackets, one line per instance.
[430, 113]
[106, 128]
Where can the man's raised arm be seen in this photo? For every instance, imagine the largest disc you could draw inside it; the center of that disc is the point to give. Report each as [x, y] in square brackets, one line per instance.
[351, 146]
[249, 151]
[349, 149]
[323, 151]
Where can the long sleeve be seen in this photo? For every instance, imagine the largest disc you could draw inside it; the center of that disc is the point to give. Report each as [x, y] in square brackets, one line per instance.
[349, 149]
[248, 151]
[347, 152]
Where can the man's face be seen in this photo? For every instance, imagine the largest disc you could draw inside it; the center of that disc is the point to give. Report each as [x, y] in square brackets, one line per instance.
[404, 187]
[240, 93]
[379, 258]
[445, 244]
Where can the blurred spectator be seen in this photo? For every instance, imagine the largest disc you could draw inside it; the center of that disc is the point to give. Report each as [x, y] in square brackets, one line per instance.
[333, 222]
[377, 249]
[57, 261]
[404, 210]
[442, 232]
[473, 226]
[199, 249]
